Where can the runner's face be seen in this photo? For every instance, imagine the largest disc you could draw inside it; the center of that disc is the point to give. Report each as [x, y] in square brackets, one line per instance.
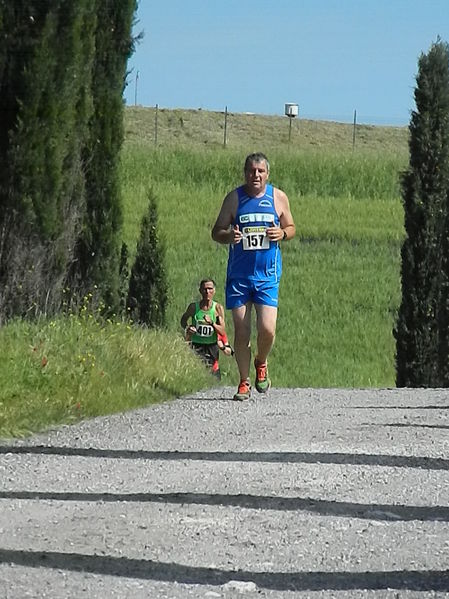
[207, 290]
[256, 176]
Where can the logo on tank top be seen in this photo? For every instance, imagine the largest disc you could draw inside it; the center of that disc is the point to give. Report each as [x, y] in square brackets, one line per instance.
[256, 217]
[265, 203]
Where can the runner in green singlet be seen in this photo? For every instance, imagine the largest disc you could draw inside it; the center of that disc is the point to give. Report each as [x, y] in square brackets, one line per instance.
[207, 326]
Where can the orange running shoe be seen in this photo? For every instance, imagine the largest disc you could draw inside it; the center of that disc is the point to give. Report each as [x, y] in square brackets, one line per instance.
[263, 383]
[243, 392]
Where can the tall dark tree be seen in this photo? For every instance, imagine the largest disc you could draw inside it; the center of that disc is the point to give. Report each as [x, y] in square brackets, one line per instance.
[45, 107]
[148, 289]
[421, 349]
[98, 250]
[62, 73]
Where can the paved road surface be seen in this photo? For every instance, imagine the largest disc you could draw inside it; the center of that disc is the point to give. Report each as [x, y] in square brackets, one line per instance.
[305, 493]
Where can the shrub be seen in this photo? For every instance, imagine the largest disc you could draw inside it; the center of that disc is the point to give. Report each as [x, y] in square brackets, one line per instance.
[147, 295]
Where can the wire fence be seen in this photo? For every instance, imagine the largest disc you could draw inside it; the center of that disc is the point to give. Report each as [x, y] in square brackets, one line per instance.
[168, 126]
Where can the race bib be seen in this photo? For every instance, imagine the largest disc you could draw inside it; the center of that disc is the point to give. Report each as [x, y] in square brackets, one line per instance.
[204, 330]
[255, 238]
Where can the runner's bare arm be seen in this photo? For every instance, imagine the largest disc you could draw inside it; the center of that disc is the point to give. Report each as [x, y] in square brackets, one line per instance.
[286, 223]
[190, 311]
[222, 232]
[219, 324]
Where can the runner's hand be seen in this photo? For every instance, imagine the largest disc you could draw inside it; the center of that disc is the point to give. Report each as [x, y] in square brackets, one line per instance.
[237, 235]
[275, 233]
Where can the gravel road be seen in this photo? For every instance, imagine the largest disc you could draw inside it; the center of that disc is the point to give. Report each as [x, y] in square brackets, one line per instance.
[304, 493]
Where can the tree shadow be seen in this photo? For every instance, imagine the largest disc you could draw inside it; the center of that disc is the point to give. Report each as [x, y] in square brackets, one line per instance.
[342, 509]
[380, 407]
[417, 580]
[351, 459]
[404, 425]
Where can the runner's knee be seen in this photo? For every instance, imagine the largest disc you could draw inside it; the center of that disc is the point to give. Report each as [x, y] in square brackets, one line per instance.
[242, 333]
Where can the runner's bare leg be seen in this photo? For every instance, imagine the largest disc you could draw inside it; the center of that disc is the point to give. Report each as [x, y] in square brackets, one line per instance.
[242, 335]
[266, 330]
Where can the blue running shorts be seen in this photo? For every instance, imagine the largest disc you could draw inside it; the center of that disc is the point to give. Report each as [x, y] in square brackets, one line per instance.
[241, 291]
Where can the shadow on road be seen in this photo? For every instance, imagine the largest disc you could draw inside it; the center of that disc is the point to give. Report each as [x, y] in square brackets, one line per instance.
[417, 580]
[403, 425]
[366, 511]
[381, 407]
[354, 459]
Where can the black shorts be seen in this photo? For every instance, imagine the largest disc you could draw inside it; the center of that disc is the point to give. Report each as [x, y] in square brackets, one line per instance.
[207, 352]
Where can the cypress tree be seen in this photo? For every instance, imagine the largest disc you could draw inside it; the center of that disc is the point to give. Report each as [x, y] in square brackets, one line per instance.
[45, 100]
[62, 72]
[97, 262]
[148, 289]
[420, 346]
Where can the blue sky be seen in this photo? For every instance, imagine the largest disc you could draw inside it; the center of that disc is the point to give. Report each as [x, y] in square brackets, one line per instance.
[331, 57]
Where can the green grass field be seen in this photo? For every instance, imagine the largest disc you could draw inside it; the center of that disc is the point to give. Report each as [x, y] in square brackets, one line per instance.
[339, 294]
[340, 288]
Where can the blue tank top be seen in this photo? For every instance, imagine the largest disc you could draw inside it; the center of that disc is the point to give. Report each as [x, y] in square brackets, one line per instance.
[256, 257]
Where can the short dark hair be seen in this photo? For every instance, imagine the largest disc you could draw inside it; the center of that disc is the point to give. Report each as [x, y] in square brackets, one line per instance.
[207, 281]
[256, 157]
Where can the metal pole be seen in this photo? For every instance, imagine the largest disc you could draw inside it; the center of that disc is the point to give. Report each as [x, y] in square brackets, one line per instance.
[225, 126]
[290, 129]
[155, 125]
[135, 88]
[353, 130]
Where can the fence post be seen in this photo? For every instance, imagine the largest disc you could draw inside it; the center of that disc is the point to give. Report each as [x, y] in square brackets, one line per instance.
[225, 139]
[353, 130]
[135, 88]
[155, 125]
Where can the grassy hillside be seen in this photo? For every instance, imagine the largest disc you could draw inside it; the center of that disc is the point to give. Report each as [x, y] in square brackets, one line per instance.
[200, 128]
